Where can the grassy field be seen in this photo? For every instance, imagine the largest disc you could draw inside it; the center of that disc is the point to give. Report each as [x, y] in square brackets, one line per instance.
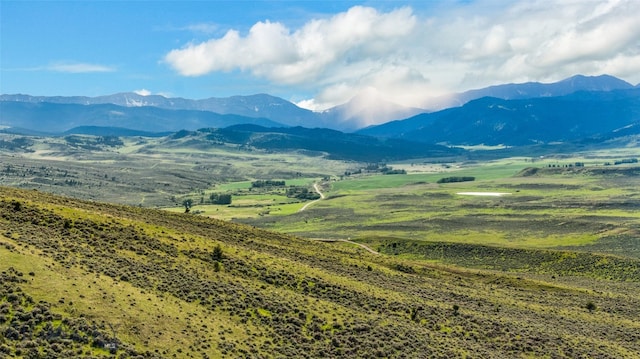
[552, 207]
[147, 171]
[81, 278]
[549, 269]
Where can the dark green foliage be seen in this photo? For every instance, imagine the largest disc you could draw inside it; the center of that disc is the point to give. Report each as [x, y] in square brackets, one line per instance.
[17, 206]
[456, 179]
[590, 306]
[220, 198]
[267, 183]
[217, 255]
[302, 193]
[628, 160]
[404, 268]
[187, 203]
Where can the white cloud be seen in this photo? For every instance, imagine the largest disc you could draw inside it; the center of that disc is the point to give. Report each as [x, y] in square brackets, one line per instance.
[204, 28]
[78, 67]
[142, 92]
[273, 51]
[410, 56]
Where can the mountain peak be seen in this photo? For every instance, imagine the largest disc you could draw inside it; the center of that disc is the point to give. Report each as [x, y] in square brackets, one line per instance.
[595, 83]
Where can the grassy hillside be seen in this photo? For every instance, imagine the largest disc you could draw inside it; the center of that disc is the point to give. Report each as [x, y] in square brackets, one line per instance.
[83, 279]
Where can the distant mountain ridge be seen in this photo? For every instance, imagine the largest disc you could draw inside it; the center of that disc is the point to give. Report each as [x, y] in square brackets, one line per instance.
[255, 106]
[60, 117]
[537, 89]
[494, 121]
[155, 113]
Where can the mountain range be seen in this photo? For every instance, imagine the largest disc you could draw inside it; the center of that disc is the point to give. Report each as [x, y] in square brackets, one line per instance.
[494, 121]
[580, 106]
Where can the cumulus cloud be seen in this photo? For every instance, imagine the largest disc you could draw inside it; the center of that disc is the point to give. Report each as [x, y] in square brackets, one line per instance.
[273, 51]
[411, 55]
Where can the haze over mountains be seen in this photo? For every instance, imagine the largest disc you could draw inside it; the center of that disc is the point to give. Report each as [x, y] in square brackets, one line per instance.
[514, 114]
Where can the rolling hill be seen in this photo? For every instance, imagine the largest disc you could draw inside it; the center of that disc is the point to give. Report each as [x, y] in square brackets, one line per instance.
[334, 144]
[85, 279]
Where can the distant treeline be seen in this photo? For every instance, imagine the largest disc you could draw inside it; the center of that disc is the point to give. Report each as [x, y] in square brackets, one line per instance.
[267, 183]
[456, 179]
[629, 160]
[302, 193]
[220, 198]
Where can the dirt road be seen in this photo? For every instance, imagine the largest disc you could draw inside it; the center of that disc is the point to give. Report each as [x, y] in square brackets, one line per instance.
[317, 188]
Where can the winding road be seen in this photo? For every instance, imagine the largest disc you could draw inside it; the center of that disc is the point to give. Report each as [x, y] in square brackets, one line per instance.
[317, 189]
[315, 186]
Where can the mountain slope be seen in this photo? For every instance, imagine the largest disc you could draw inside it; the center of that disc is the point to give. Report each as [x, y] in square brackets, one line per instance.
[536, 89]
[365, 109]
[260, 106]
[520, 122]
[177, 285]
[60, 117]
[335, 144]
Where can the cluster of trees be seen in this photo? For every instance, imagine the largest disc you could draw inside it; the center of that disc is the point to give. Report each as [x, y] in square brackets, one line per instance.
[220, 198]
[377, 167]
[16, 144]
[390, 171]
[302, 193]
[629, 160]
[267, 183]
[456, 179]
[577, 164]
[92, 143]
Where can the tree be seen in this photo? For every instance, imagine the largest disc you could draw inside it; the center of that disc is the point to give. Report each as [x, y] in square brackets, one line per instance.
[590, 306]
[217, 255]
[187, 205]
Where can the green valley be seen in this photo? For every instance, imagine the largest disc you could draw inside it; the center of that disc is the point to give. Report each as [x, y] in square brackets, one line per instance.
[443, 257]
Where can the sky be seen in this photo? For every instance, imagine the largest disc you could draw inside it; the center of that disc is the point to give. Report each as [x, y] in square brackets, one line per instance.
[317, 54]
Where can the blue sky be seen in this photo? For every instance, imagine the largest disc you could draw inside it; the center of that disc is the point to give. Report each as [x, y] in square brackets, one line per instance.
[315, 53]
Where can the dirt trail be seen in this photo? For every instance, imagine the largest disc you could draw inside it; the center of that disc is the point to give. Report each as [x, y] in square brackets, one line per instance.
[317, 188]
[368, 249]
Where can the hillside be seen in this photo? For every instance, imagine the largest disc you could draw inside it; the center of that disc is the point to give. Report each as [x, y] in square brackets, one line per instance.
[83, 279]
[330, 143]
[577, 83]
[493, 121]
